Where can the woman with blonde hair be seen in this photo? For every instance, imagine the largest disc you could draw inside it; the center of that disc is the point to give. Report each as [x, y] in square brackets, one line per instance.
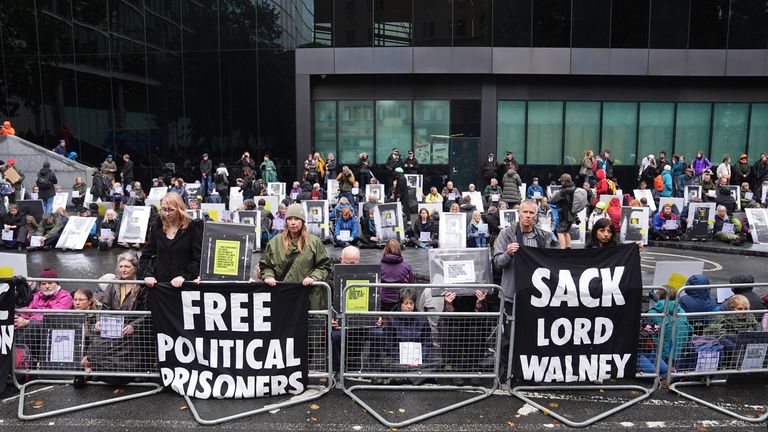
[172, 252]
[296, 255]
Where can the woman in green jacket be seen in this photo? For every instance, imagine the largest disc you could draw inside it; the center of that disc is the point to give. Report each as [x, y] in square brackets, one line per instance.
[295, 255]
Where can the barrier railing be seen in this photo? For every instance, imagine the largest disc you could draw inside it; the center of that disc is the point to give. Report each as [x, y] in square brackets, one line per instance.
[717, 348]
[653, 328]
[320, 359]
[59, 345]
[410, 348]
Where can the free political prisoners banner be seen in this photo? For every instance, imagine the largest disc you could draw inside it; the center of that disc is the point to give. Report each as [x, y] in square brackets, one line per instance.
[233, 341]
[7, 294]
[584, 306]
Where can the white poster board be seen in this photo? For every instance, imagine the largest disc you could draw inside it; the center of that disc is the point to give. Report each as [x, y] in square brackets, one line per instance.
[552, 190]
[271, 202]
[579, 231]
[60, 200]
[215, 210]
[432, 207]
[452, 266]
[634, 224]
[523, 191]
[251, 217]
[648, 195]
[75, 232]
[13, 264]
[276, 189]
[375, 189]
[607, 198]
[736, 194]
[701, 221]
[677, 204]
[332, 189]
[318, 222]
[477, 199]
[507, 217]
[691, 192]
[235, 198]
[676, 273]
[155, 195]
[758, 223]
[452, 231]
[133, 225]
[416, 181]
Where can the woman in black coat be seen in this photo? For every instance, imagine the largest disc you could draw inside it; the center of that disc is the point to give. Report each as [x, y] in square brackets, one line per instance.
[172, 253]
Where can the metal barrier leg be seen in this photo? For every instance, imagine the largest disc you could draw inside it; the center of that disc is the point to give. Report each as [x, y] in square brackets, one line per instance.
[485, 393]
[519, 391]
[154, 388]
[675, 388]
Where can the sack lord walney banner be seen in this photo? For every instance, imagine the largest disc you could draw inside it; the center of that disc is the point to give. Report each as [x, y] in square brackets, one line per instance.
[584, 306]
[233, 341]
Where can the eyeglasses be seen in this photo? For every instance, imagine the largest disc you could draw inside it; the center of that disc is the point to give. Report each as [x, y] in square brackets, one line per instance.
[167, 209]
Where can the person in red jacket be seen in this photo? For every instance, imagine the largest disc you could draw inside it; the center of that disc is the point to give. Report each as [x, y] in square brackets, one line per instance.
[601, 187]
[614, 212]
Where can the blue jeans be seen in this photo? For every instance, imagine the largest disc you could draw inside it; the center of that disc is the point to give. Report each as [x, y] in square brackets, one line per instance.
[207, 184]
[48, 205]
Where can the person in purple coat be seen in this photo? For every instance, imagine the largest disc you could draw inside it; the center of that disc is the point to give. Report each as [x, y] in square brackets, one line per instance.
[393, 270]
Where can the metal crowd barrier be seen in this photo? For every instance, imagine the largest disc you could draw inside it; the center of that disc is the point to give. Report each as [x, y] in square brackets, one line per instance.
[54, 348]
[319, 358]
[408, 349]
[711, 354]
[650, 350]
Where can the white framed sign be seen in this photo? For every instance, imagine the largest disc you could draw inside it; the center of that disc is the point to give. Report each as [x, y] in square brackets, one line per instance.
[634, 224]
[375, 189]
[75, 232]
[133, 225]
[452, 231]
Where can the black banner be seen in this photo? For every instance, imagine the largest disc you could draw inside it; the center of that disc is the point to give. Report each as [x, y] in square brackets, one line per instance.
[232, 341]
[577, 313]
[7, 295]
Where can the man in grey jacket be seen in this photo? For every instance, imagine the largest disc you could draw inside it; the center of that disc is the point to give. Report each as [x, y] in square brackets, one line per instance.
[510, 240]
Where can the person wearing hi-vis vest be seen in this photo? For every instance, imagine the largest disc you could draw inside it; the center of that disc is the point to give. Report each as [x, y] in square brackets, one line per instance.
[295, 255]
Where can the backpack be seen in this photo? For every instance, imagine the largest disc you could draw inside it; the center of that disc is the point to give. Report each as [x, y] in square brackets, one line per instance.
[579, 200]
[658, 183]
[43, 182]
[611, 187]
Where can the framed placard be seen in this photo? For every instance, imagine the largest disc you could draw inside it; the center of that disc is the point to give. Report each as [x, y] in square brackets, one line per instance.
[634, 224]
[677, 204]
[552, 190]
[459, 266]
[477, 199]
[317, 218]
[388, 219]
[507, 217]
[60, 200]
[376, 190]
[75, 232]
[133, 225]
[332, 189]
[276, 189]
[648, 195]
[235, 198]
[359, 299]
[578, 231]
[251, 217]
[227, 251]
[452, 231]
[758, 222]
[214, 210]
[692, 192]
[701, 221]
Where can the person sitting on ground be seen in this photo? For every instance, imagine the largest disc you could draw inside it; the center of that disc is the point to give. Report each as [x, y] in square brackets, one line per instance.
[724, 197]
[477, 232]
[708, 187]
[346, 229]
[343, 203]
[726, 327]
[111, 223]
[535, 191]
[14, 223]
[463, 338]
[117, 352]
[399, 329]
[727, 228]
[755, 302]
[79, 187]
[597, 213]
[49, 229]
[278, 222]
[666, 225]
[424, 231]
[698, 299]
[367, 235]
[747, 197]
[670, 350]
[491, 194]
[433, 196]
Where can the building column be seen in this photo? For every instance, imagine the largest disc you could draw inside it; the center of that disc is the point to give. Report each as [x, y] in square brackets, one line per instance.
[488, 120]
[303, 121]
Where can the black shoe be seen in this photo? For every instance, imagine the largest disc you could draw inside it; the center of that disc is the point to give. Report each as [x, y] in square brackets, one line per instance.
[48, 248]
[79, 381]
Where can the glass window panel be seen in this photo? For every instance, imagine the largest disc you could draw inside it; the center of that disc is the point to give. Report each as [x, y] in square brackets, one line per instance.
[545, 133]
[355, 130]
[393, 22]
[591, 23]
[201, 30]
[431, 120]
[393, 128]
[465, 118]
[620, 131]
[758, 130]
[729, 130]
[352, 23]
[325, 127]
[315, 23]
[656, 130]
[511, 129]
[512, 23]
[629, 23]
[709, 24]
[582, 130]
[669, 23]
[432, 23]
[472, 22]
[237, 24]
[551, 23]
[748, 28]
[692, 129]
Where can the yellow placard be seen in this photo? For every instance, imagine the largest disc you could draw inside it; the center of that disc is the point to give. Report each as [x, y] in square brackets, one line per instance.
[226, 258]
[213, 214]
[676, 280]
[398, 229]
[357, 297]
[643, 231]
[6, 272]
[324, 226]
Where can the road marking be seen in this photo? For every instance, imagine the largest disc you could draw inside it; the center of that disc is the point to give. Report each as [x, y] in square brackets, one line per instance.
[715, 266]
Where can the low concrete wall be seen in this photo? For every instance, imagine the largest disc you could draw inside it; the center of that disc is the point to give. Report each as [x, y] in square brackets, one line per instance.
[29, 159]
